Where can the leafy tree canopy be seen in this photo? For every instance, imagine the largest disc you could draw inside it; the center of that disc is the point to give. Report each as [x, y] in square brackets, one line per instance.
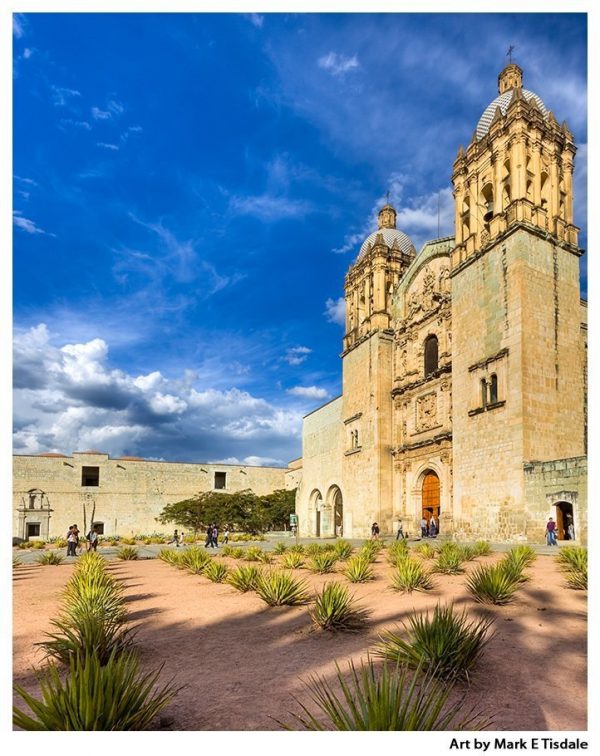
[242, 510]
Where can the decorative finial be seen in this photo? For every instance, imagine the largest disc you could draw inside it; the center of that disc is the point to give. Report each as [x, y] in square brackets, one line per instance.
[510, 52]
[387, 197]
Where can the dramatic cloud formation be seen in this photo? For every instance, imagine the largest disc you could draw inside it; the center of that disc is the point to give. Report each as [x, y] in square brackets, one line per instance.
[69, 398]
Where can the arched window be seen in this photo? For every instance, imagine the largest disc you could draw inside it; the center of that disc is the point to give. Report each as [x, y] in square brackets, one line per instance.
[494, 389]
[483, 393]
[545, 191]
[487, 203]
[431, 355]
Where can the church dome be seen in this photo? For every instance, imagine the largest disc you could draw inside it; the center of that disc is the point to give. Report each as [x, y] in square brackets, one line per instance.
[502, 102]
[391, 237]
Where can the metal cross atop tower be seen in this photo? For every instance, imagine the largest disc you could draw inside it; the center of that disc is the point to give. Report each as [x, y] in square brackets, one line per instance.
[510, 52]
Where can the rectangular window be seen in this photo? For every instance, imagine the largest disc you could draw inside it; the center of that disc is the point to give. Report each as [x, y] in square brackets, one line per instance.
[90, 476]
[99, 527]
[33, 530]
[220, 480]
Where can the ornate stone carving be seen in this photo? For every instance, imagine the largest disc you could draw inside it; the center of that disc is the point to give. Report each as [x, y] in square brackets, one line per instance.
[428, 290]
[426, 412]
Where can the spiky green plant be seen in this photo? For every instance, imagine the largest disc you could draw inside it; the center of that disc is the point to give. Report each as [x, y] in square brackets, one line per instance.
[226, 550]
[297, 548]
[482, 548]
[127, 553]
[358, 569]
[409, 576]
[492, 584]
[60, 543]
[323, 563]
[513, 565]
[195, 559]
[92, 635]
[449, 560]
[524, 554]
[312, 549]
[50, 557]
[216, 571]
[397, 549]
[335, 609]
[343, 549]
[467, 552]
[244, 578]
[253, 554]
[113, 696]
[369, 550]
[426, 550]
[128, 541]
[280, 548]
[266, 557]
[383, 699]
[238, 553]
[39, 544]
[278, 588]
[171, 556]
[447, 644]
[292, 560]
[573, 561]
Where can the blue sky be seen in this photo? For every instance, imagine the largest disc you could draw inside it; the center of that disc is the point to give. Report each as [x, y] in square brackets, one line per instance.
[190, 189]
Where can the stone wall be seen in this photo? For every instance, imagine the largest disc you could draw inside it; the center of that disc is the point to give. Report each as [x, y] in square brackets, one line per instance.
[130, 495]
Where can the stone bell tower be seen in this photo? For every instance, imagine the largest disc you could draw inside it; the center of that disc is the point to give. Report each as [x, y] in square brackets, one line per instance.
[517, 355]
[367, 375]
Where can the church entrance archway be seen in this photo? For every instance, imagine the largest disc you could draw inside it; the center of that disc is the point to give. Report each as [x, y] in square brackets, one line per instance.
[565, 524]
[316, 506]
[335, 501]
[430, 497]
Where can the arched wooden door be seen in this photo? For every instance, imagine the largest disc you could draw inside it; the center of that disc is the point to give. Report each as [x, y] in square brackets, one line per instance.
[431, 497]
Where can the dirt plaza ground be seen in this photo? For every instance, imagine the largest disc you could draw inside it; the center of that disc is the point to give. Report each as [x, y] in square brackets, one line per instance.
[241, 663]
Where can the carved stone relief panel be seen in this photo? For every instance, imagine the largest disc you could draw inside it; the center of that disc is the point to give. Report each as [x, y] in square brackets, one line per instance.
[426, 412]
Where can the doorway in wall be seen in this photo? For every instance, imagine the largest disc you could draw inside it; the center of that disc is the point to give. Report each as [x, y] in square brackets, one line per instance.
[564, 518]
[430, 498]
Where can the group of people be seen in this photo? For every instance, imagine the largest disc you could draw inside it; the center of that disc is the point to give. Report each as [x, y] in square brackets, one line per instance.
[73, 540]
[212, 536]
[551, 531]
[429, 528]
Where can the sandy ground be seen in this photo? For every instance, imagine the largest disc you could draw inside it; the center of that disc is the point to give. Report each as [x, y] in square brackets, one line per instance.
[241, 662]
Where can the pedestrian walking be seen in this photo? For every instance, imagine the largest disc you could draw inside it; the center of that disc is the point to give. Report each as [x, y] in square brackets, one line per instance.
[71, 542]
[423, 528]
[215, 537]
[400, 533]
[208, 541]
[570, 528]
[374, 532]
[551, 532]
[181, 538]
[76, 534]
[175, 538]
[226, 536]
[433, 529]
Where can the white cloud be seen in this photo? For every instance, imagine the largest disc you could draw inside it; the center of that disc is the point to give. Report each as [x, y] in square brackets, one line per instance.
[26, 224]
[115, 107]
[335, 310]
[297, 355]
[77, 124]
[101, 115]
[68, 397]
[308, 392]
[107, 146]
[28, 52]
[62, 96]
[19, 23]
[338, 65]
[257, 19]
[270, 207]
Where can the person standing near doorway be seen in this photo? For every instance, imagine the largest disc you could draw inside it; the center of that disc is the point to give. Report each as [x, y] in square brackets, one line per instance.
[551, 532]
[423, 527]
[433, 528]
[400, 533]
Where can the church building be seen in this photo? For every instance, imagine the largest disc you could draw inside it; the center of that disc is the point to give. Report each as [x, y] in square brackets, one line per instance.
[464, 365]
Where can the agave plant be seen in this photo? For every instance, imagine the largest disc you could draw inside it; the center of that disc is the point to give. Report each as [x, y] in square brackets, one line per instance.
[50, 557]
[297, 548]
[398, 550]
[369, 550]
[449, 560]
[277, 588]
[426, 550]
[334, 609]
[312, 549]
[237, 552]
[244, 578]
[39, 544]
[170, 556]
[482, 548]
[266, 557]
[195, 560]
[409, 576]
[253, 554]
[448, 645]
[89, 636]
[292, 560]
[128, 541]
[386, 699]
[127, 553]
[280, 548]
[524, 554]
[113, 696]
[358, 569]
[323, 562]
[467, 552]
[492, 584]
[513, 566]
[343, 549]
[216, 571]
[573, 561]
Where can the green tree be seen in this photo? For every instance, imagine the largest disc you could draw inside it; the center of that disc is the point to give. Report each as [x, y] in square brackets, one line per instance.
[278, 506]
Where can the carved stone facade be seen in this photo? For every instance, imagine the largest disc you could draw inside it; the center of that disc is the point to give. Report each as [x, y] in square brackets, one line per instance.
[464, 365]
